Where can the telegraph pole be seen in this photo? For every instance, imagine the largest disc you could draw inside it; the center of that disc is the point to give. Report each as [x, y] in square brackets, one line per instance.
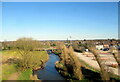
[70, 39]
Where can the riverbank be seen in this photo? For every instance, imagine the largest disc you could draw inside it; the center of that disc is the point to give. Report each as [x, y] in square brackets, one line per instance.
[10, 67]
[69, 76]
[88, 72]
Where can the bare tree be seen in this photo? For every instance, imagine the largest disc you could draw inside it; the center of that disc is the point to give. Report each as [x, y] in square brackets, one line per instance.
[116, 55]
[76, 64]
[70, 60]
[25, 47]
[104, 73]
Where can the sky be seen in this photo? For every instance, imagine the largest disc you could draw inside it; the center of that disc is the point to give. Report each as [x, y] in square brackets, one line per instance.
[59, 20]
[60, 0]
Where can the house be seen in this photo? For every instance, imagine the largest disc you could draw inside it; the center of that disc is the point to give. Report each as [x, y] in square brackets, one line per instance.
[106, 45]
[99, 47]
[86, 50]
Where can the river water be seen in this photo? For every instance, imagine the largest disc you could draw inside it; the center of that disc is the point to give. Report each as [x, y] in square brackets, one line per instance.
[50, 72]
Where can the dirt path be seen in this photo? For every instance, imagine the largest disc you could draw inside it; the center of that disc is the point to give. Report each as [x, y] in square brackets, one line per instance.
[13, 76]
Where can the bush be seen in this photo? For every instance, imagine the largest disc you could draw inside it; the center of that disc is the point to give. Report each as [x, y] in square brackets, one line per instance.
[53, 45]
[34, 60]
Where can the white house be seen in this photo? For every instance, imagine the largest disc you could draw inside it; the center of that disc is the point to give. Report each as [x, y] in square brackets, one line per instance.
[99, 47]
[86, 50]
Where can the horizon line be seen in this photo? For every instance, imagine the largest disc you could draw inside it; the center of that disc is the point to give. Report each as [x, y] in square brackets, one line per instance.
[62, 39]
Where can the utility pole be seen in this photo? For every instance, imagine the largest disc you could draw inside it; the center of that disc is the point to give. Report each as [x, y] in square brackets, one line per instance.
[67, 41]
[70, 39]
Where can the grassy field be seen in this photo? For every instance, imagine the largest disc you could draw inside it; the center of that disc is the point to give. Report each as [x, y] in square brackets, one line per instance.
[9, 54]
[9, 68]
[25, 75]
[14, 54]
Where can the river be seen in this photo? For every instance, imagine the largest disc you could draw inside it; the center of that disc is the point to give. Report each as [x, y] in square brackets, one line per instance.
[50, 72]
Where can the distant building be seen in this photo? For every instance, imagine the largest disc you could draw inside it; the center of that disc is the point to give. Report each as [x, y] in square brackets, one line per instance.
[86, 50]
[106, 46]
[99, 47]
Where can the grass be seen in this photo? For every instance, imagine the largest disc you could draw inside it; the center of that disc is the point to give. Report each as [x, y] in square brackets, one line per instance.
[7, 70]
[88, 66]
[14, 54]
[114, 76]
[25, 75]
[9, 53]
[41, 55]
[6, 54]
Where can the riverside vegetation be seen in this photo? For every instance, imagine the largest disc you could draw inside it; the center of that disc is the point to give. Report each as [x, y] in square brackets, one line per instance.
[20, 57]
[69, 65]
[74, 69]
[25, 54]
